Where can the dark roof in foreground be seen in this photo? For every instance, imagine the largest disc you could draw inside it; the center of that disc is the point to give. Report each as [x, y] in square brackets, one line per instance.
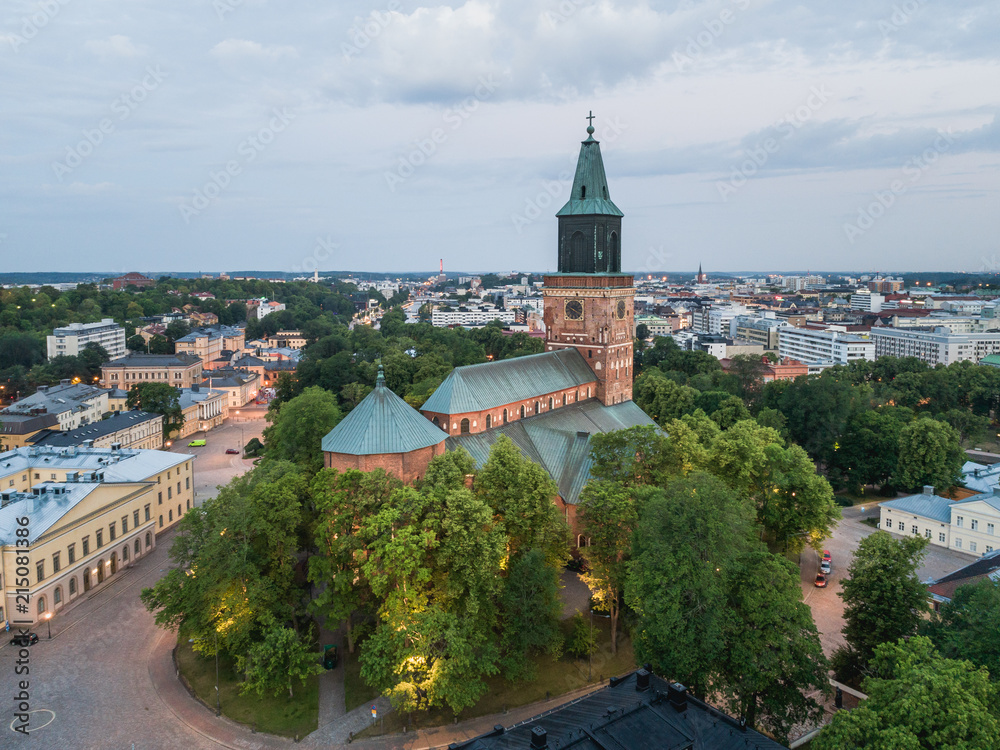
[382, 423]
[119, 421]
[987, 566]
[488, 385]
[558, 440]
[622, 716]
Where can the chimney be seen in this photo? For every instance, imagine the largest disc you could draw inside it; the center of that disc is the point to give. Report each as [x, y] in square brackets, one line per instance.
[678, 696]
[194, 388]
[642, 680]
[539, 739]
[928, 489]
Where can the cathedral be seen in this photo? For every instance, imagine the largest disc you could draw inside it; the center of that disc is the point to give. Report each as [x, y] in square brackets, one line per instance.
[548, 404]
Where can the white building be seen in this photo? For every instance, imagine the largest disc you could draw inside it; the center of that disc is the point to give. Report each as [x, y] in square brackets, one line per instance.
[720, 318]
[73, 404]
[968, 526]
[937, 346]
[821, 346]
[72, 339]
[265, 308]
[867, 302]
[470, 317]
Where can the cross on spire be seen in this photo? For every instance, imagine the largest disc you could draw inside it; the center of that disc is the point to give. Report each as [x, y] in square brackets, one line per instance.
[590, 118]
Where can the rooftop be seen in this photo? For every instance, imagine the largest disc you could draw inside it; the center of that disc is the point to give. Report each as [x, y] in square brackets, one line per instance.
[56, 399]
[119, 421]
[141, 359]
[925, 504]
[987, 566]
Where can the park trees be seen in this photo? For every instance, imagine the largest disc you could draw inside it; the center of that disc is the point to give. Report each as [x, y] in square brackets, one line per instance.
[929, 454]
[967, 626]
[298, 427]
[158, 398]
[884, 599]
[661, 398]
[918, 700]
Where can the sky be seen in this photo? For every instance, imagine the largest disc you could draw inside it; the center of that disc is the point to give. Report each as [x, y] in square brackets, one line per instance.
[746, 135]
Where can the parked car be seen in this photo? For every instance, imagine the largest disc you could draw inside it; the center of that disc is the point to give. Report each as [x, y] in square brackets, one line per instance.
[197, 443]
[824, 567]
[24, 640]
[820, 581]
[826, 555]
[233, 451]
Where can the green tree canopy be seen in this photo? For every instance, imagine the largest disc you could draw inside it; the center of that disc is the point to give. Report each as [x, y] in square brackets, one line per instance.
[158, 398]
[929, 454]
[968, 627]
[298, 427]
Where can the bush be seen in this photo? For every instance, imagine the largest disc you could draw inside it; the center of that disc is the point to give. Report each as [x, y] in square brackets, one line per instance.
[843, 502]
[846, 665]
[580, 642]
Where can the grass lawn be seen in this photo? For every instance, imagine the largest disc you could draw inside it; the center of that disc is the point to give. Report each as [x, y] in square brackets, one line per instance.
[289, 718]
[553, 677]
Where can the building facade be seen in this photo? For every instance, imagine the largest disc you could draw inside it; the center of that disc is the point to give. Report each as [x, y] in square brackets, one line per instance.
[178, 370]
[72, 339]
[72, 404]
[969, 526]
[208, 343]
[92, 513]
[819, 346]
[126, 429]
[203, 409]
[132, 279]
[475, 316]
[937, 346]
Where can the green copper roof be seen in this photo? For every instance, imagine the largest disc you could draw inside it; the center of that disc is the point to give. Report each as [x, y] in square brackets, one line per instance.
[507, 381]
[558, 440]
[590, 185]
[382, 423]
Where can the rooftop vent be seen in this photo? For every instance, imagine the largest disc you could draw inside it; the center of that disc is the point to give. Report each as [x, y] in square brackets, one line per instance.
[642, 680]
[539, 739]
[928, 489]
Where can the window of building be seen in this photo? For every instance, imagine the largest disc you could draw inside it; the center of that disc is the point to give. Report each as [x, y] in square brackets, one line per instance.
[170, 516]
[149, 539]
[974, 524]
[161, 522]
[138, 548]
[71, 553]
[550, 402]
[972, 547]
[159, 498]
[914, 530]
[135, 518]
[72, 586]
[40, 570]
[55, 562]
[178, 510]
[988, 549]
[188, 505]
[959, 521]
[989, 529]
[170, 493]
[100, 538]
[125, 553]
[146, 510]
[187, 483]
[941, 536]
[522, 411]
[489, 421]
[57, 596]
[958, 543]
[465, 426]
[538, 407]
[111, 531]
[86, 546]
[178, 488]
[901, 526]
[927, 533]
[42, 609]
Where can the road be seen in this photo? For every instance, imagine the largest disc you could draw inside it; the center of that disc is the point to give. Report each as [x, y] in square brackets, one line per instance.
[827, 607]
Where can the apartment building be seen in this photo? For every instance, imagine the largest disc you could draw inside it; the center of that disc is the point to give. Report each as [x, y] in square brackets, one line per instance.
[72, 339]
[935, 346]
[72, 404]
[867, 302]
[92, 512]
[208, 343]
[178, 370]
[762, 331]
[478, 316]
[286, 340]
[814, 346]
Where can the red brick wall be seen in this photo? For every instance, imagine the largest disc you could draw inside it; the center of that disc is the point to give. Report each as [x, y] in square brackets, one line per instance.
[407, 467]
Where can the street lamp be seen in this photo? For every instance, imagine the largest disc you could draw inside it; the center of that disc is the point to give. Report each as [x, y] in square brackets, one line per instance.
[48, 622]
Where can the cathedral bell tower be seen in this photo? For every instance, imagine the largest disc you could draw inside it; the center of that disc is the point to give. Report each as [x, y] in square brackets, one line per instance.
[589, 303]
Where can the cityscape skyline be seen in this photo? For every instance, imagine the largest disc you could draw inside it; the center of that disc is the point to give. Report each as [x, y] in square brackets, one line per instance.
[240, 135]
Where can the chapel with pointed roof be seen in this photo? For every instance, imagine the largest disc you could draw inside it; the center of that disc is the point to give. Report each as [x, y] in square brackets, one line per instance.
[548, 404]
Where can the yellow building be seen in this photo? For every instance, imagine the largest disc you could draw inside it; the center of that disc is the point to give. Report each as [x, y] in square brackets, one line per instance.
[178, 370]
[87, 513]
[203, 409]
[126, 429]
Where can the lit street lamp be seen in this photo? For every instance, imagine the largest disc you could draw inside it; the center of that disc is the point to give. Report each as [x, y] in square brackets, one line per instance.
[48, 622]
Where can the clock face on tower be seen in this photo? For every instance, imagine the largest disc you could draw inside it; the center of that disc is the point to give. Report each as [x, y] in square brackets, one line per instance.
[621, 309]
[574, 309]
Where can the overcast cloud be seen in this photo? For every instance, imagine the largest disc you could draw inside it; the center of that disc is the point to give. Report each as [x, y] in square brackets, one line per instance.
[239, 134]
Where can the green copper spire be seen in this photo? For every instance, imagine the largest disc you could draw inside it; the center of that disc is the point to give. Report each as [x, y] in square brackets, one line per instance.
[590, 194]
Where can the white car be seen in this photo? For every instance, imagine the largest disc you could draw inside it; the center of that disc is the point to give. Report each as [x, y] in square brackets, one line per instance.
[824, 567]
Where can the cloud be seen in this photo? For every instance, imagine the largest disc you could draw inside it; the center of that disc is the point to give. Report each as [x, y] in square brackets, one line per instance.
[115, 46]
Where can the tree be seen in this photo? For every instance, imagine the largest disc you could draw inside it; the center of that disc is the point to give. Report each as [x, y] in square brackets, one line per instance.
[661, 398]
[687, 535]
[869, 449]
[608, 518]
[298, 427]
[424, 313]
[529, 615]
[277, 661]
[631, 457]
[918, 700]
[136, 343]
[884, 599]
[773, 658]
[929, 454]
[158, 398]
[22, 349]
[969, 426]
[966, 627]
[642, 332]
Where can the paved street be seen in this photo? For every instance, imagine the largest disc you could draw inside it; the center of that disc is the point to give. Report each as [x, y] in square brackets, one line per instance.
[827, 607]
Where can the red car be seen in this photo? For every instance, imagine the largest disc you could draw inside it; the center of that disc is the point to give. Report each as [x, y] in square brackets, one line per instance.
[826, 555]
[820, 581]
[233, 451]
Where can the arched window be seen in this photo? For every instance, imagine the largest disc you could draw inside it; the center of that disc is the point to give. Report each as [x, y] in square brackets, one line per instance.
[42, 609]
[188, 505]
[505, 416]
[86, 580]
[125, 554]
[577, 394]
[170, 516]
[614, 254]
[57, 596]
[550, 402]
[522, 411]
[489, 421]
[583, 192]
[436, 421]
[149, 540]
[538, 408]
[161, 522]
[464, 426]
[72, 586]
[588, 392]
[577, 244]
